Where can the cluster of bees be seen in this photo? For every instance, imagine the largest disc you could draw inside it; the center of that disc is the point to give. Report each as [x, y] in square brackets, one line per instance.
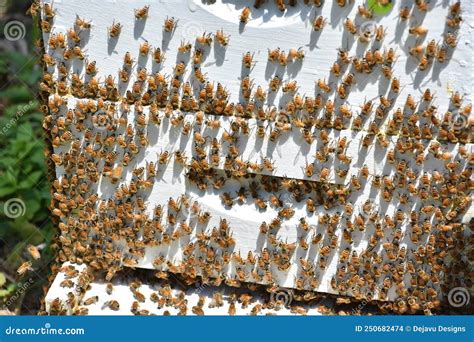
[93, 140]
[173, 297]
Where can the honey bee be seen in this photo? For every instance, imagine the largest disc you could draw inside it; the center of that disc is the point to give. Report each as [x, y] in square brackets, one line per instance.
[441, 54]
[204, 217]
[49, 60]
[405, 13]
[275, 83]
[199, 75]
[73, 35]
[451, 39]
[307, 135]
[390, 56]
[336, 69]
[128, 60]
[260, 94]
[82, 23]
[91, 68]
[289, 87]
[309, 170]
[427, 95]
[282, 6]
[179, 69]
[115, 29]
[424, 63]
[245, 15]
[54, 41]
[296, 54]
[145, 48]
[142, 13]
[455, 9]
[49, 11]
[267, 164]
[197, 57]
[364, 12]
[34, 9]
[431, 48]
[304, 224]
[274, 54]
[34, 252]
[204, 39]
[109, 288]
[24, 267]
[170, 24]
[395, 85]
[323, 85]
[380, 33]
[232, 309]
[123, 75]
[416, 50]
[418, 30]
[343, 55]
[456, 99]
[214, 124]
[341, 92]
[324, 174]
[348, 80]
[77, 51]
[247, 59]
[422, 5]
[112, 305]
[318, 23]
[163, 157]
[283, 59]
[68, 54]
[221, 38]
[184, 47]
[91, 300]
[350, 26]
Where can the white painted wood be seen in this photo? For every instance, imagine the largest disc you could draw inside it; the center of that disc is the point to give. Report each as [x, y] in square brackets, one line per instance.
[290, 153]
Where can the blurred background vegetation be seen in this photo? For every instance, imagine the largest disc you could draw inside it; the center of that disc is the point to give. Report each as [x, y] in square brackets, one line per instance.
[23, 173]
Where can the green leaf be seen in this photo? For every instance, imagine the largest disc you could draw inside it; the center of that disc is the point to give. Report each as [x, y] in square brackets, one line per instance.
[7, 190]
[38, 156]
[25, 131]
[45, 193]
[31, 180]
[16, 93]
[5, 293]
[14, 258]
[3, 65]
[8, 291]
[27, 231]
[3, 280]
[31, 208]
[6, 161]
[30, 77]
[11, 176]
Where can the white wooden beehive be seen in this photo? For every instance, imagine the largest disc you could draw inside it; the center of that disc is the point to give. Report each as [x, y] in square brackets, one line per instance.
[279, 191]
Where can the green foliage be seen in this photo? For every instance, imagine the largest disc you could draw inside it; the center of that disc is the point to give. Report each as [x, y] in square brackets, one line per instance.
[22, 174]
